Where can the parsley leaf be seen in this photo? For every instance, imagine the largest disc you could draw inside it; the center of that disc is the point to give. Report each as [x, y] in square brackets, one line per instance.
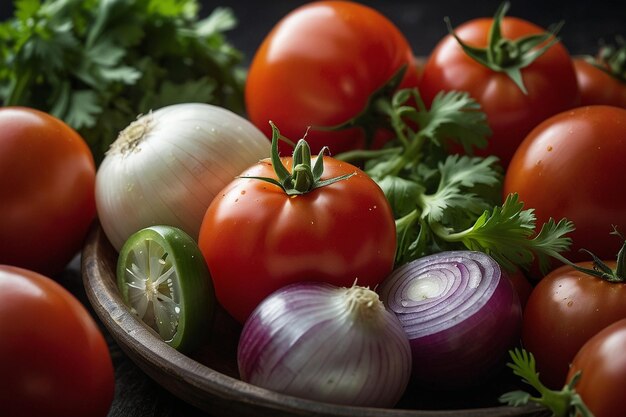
[564, 403]
[452, 202]
[97, 64]
[506, 233]
[458, 174]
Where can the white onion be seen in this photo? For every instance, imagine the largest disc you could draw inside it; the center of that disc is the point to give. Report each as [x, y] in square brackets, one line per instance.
[326, 343]
[166, 167]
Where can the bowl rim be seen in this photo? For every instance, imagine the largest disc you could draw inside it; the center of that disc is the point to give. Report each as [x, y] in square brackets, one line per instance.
[204, 387]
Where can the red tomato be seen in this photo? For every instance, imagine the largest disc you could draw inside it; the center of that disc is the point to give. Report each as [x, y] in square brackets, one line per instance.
[257, 239]
[53, 358]
[598, 86]
[572, 165]
[565, 309]
[318, 67]
[602, 362]
[47, 178]
[550, 82]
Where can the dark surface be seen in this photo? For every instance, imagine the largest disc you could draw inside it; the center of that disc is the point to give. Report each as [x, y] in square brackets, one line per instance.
[422, 22]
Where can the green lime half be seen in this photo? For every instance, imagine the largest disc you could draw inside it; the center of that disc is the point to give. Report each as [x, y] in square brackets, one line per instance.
[163, 278]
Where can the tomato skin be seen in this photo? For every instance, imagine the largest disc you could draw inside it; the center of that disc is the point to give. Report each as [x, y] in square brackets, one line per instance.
[257, 239]
[550, 81]
[47, 178]
[572, 165]
[597, 86]
[318, 67]
[53, 358]
[602, 361]
[564, 310]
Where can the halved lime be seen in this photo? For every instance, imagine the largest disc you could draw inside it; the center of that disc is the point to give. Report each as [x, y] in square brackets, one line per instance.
[163, 278]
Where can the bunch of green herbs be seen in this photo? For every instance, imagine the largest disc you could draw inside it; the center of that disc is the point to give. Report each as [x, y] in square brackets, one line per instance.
[98, 64]
[446, 201]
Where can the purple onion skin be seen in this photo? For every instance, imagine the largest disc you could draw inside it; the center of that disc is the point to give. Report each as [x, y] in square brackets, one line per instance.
[468, 344]
[301, 341]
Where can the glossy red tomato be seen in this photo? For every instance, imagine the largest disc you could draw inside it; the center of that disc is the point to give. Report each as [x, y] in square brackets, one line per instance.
[257, 239]
[572, 165]
[53, 358]
[602, 362]
[564, 310]
[550, 82]
[318, 67]
[47, 177]
[598, 86]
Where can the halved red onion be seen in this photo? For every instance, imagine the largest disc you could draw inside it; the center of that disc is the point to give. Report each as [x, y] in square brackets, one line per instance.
[460, 313]
[325, 343]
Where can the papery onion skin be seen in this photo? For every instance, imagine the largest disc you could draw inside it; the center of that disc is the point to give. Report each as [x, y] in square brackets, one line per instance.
[185, 154]
[460, 332]
[304, 340]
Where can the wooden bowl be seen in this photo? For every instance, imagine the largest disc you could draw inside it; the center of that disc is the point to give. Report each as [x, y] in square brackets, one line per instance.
[208, 378]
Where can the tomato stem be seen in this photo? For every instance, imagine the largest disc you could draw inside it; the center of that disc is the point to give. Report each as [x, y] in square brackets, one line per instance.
[507, 55]
[304, 178]
[600, 268]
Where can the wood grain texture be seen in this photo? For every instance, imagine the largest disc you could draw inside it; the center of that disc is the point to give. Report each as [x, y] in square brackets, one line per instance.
[207, 378]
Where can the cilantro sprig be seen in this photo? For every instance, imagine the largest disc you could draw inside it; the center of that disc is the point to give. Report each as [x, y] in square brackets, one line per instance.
[564, 403]
[97, 64]
[444, 201]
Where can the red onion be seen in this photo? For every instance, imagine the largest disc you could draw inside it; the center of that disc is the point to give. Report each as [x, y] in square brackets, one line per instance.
[326, 343]
[460, 313]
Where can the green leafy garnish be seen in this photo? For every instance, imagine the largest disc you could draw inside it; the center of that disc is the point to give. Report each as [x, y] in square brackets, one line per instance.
[453, 202]
[97, 64]
[564, 403]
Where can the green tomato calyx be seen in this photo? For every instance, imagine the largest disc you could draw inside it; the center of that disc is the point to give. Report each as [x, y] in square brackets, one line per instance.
[600, 269]
[304, 177]
[507, 55]
[612, 59]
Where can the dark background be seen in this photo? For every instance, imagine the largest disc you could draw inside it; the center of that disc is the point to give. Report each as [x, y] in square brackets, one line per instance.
[586, 23]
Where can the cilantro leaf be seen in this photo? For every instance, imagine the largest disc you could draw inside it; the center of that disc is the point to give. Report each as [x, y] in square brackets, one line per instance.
[458, 174]
[97, 64]
[455, 115]
[506, 232]
[564, 403]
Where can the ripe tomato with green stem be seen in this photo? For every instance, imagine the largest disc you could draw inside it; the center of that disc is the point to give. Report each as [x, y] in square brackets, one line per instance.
[567, 307]
[292, 219]
[54, 360]
[325, 64]
[47, 178]
[519, 73]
